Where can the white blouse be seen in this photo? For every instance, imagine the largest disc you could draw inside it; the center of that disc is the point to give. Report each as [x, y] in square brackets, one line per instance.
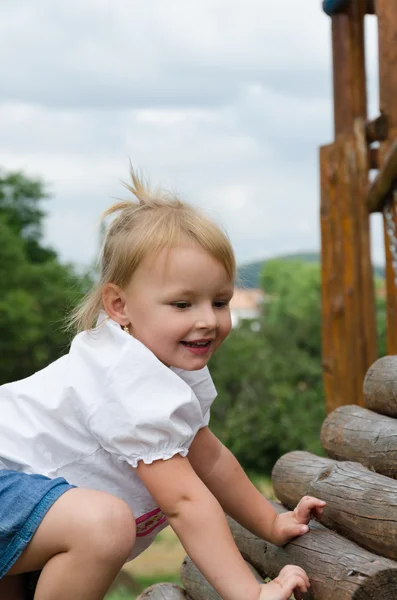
[93, 414]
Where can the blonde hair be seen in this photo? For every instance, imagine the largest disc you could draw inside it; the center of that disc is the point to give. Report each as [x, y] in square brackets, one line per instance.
[156, 221]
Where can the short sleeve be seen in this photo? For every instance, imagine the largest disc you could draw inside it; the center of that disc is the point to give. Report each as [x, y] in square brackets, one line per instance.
[203, 387]
[146, 411]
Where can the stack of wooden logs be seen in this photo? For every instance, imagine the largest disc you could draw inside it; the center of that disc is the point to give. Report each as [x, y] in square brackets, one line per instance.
[352, 554]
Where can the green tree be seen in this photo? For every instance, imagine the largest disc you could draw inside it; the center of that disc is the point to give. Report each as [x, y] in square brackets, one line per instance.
[20, 205]
[36, 290]
[269, 381]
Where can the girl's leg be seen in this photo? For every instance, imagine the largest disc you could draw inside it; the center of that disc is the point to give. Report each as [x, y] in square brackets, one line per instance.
[81, 544]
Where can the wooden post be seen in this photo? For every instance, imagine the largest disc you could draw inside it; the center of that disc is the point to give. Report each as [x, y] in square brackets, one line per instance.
[348, 58]
[386, 11]
[348, 298]
[348, 304]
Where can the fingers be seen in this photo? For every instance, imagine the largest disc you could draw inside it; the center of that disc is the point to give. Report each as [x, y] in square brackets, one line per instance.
[293, 579]
[307, 508]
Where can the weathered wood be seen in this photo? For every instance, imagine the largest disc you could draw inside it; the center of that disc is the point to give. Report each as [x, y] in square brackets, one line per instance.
[348, 298]
[338, 569]
[164, 591]
[386, 11]
[348, 58]
[380, 386]
[377, 129]
[331, 289]
[365, 334]
[197, 586]
[361, 505]
[374, 158]
[358, 434]
[383, 183]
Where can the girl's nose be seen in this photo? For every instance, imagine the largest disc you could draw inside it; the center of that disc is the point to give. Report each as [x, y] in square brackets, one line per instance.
[207, 319]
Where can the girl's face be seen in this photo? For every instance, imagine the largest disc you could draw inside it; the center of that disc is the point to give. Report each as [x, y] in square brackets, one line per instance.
[177, 304]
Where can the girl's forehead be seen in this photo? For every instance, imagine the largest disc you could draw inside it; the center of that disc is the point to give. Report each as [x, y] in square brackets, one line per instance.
[183, 263]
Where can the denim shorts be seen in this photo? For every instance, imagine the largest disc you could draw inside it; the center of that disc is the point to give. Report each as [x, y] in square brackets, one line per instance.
[24, 501]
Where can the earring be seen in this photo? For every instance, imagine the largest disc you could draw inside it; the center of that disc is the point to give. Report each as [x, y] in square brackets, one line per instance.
[126, 328]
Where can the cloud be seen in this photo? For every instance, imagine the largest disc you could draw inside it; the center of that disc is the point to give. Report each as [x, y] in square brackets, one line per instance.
[138, 54]
[225, 102]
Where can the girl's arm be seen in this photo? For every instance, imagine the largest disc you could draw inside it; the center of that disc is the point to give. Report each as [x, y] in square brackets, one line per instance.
[222, 474]
[200, 524]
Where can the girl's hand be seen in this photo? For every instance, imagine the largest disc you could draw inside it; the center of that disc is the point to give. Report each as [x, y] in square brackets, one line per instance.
[291, 524]
[291, 580]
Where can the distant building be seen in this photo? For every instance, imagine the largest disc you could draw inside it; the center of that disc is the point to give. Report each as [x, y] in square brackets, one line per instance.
[246, 304]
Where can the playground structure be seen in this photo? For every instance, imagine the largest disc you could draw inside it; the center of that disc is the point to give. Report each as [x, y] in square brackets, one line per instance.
[352, 554]
[347, 200]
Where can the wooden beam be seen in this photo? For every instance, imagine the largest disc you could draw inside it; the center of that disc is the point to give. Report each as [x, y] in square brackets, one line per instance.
[380, 189]
[358, 434]
[348, 305]
[361, 505]
[348, 297]
[377, 129]
[386, 11]
[374, 158]
[349, 78]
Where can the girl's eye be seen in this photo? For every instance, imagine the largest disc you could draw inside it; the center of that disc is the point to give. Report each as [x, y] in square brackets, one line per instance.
[180, 305]
[221, 303]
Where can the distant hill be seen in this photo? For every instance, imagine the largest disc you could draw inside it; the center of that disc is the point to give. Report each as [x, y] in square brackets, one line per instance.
[248, 275]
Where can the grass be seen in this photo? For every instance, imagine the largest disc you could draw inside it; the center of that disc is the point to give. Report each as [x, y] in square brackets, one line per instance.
[161, 562]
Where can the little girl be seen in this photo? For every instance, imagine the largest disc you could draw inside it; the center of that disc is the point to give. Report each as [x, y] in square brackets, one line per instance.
[109, 444]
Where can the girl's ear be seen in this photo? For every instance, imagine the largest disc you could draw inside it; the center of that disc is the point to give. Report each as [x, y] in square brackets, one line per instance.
[114, 303]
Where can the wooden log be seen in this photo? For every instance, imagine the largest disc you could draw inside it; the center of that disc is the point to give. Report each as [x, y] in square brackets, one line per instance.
[386, 12]
[164, 591]
[361, 505]
[380, 386]
[338, 569]
[381, 187]
[197, 586]
[357, 434]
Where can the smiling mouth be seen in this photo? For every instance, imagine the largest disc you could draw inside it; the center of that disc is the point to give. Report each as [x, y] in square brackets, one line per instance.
[203, 344]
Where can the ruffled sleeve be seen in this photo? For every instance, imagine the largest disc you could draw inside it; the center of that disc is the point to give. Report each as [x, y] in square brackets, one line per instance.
[203, 387]
[145, 410]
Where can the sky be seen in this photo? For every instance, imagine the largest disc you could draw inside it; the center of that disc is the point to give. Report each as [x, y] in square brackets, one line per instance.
[224, 102]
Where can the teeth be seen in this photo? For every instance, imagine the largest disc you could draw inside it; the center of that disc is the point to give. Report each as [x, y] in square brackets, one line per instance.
[197, 343]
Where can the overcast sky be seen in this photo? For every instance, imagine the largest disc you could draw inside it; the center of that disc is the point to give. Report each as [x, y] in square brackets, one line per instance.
[225, 101]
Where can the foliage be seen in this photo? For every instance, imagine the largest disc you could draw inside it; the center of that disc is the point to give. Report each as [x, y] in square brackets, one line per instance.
[36, 290]
[249, 274]
[270, 381]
